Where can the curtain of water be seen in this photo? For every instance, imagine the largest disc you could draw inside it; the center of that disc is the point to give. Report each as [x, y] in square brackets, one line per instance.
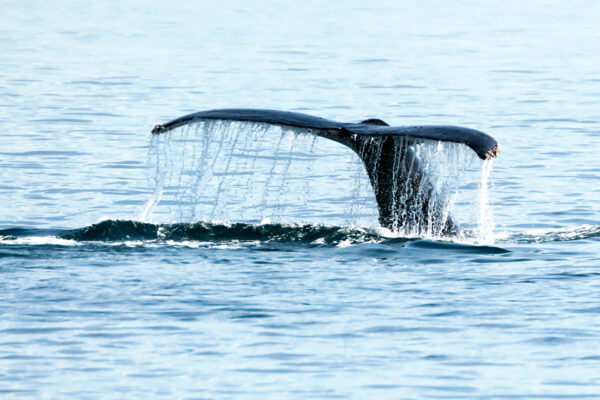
[461, 181]
[241, 172]
[246, 172]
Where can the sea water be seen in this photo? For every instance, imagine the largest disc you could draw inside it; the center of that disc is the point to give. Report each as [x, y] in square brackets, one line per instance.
[120, 278]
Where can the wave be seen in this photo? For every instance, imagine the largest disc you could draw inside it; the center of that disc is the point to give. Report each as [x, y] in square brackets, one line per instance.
[128, 231]
[546, 235]
[210, 233]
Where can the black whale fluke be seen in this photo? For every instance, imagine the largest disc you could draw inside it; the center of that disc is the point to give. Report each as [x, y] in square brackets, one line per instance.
[385, 151]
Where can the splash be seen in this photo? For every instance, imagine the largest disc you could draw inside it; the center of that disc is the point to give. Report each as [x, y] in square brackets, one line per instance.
[238, 172]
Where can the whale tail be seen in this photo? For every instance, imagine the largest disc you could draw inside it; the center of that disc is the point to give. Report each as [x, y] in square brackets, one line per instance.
[405, 196]
[404, 193]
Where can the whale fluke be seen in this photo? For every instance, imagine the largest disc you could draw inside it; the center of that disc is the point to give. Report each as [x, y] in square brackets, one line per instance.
[386, 152]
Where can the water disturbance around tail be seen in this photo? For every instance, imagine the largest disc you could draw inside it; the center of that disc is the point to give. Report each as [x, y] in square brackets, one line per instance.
[255, 173]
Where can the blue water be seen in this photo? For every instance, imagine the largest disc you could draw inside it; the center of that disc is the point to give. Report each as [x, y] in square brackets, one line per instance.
[96, 304]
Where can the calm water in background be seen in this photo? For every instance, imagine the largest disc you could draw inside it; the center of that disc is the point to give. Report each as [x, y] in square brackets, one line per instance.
[279, 316]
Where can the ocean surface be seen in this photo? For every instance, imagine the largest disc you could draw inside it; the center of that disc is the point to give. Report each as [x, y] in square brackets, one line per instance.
[127, 273]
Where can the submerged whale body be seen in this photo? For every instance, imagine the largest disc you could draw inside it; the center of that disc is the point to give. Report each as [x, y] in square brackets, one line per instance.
[403, 192]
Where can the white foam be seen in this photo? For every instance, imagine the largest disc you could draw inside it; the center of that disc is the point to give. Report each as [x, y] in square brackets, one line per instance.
[40, 240]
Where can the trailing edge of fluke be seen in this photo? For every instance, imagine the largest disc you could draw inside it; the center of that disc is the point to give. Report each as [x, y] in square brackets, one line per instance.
[404, 194]
[484, 145]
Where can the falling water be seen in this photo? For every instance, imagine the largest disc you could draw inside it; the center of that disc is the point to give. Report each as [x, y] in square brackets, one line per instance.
[257, 173]
[240, 172]
[461, 183]
[485, 218]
